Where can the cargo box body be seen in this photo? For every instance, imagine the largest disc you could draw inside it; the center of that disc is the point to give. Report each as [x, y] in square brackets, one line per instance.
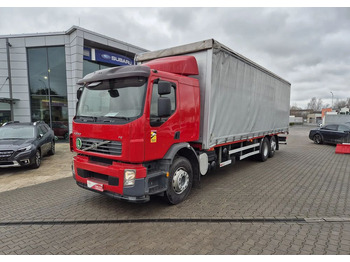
[239, 99]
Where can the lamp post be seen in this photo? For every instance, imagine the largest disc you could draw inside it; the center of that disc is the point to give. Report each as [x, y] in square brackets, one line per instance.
[332, 99]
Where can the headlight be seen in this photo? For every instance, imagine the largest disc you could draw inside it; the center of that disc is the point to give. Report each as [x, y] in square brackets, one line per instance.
[129, 177]
[24, 149]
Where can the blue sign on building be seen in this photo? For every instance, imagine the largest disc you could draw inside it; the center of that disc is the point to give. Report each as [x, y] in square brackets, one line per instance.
[106, 57]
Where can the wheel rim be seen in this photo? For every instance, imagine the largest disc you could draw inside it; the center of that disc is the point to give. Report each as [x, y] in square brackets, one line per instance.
[181, 180]
[273, 145]
[37, 158]
[317, 139]
[265, 150]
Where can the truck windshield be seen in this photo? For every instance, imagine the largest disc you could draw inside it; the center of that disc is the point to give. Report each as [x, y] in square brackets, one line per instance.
[125, 102]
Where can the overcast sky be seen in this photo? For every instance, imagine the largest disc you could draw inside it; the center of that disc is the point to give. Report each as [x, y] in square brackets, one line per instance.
[309, 47]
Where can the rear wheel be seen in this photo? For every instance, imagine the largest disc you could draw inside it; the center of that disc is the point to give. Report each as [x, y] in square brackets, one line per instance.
[37, 159]
[52, 149]
[180, 181]
[264, 150]
[273, 146]
[317, 139]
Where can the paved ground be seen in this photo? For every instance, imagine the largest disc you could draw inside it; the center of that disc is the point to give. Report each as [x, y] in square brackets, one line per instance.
[52, 168]
[298, 202]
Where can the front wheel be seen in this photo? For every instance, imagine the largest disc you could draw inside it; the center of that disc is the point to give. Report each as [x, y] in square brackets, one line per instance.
[179, 181]
[317, 139]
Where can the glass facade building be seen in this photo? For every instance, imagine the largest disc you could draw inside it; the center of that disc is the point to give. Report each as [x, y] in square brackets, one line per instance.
[48, 85]
[44, 68]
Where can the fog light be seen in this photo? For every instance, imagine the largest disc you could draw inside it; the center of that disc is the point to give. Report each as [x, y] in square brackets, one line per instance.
[129, 177]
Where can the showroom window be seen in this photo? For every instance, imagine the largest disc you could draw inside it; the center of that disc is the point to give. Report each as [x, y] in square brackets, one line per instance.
[48, 87]
[5, 113]
[90, 66]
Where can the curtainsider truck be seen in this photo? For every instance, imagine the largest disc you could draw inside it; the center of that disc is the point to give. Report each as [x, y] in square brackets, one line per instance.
[156, 127]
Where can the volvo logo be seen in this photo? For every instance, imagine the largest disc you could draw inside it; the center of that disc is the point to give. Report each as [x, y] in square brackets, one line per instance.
[78, 143]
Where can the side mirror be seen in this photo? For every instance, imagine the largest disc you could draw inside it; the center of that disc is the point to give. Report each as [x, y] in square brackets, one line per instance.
[79, 92]
[113, 93]
[40, 136]
[164, 88]
[164, 107]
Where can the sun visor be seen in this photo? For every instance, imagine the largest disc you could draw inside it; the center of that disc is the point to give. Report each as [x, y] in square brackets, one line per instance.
[116, 72]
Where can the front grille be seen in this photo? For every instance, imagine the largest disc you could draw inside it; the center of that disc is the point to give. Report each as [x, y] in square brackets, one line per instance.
[111, 148]
[6, 163]
[110, 180]
[5, 154]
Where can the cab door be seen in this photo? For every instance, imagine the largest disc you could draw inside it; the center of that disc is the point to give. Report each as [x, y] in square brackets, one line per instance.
[161, 132]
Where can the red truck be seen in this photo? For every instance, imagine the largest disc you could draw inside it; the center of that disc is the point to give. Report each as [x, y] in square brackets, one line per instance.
[156, 127]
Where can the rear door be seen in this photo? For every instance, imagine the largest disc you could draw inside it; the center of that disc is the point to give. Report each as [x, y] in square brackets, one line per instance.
[343, 134]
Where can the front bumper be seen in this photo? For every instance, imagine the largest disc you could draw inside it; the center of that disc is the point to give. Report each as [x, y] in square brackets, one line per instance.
[110, 178]
[17, 159]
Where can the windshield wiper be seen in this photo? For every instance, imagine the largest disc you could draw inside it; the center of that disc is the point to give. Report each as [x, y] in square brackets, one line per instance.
[112, 118]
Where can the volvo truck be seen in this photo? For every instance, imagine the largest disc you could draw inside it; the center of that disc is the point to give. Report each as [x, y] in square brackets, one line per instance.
[156, 127]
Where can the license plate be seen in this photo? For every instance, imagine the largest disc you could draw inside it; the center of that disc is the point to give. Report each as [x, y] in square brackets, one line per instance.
[94, 185]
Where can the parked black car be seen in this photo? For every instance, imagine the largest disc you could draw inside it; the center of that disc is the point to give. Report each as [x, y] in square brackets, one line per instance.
[332, 133]
[24, 144]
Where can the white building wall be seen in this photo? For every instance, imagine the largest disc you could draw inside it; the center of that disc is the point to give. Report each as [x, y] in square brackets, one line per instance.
[336, 119]
[20, 89]
[74, 70]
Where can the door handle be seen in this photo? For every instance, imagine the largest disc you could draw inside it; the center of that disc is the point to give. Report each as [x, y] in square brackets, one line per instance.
[177, 135]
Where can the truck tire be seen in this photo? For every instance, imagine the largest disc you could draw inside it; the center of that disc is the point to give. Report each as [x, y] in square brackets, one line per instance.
[272, 146]
[179, 181]
[264, 150]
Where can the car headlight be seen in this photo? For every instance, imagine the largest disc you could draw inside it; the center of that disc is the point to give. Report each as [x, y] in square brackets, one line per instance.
[24, 149]
[129, 177]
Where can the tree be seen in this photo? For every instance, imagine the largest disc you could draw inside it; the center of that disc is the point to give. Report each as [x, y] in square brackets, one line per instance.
[295, 107]
[342, 103]
[315, 104]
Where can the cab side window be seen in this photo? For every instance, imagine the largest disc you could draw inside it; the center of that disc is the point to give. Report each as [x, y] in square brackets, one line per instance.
[155, 120]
